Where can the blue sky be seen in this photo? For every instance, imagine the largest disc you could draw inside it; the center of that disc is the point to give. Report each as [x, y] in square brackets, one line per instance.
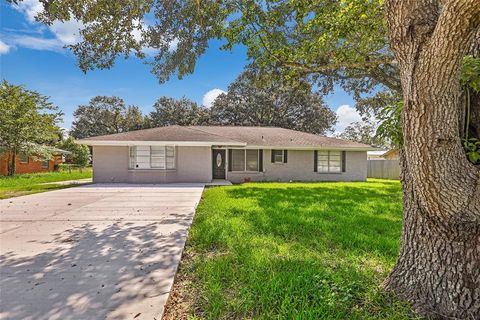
[32, 54]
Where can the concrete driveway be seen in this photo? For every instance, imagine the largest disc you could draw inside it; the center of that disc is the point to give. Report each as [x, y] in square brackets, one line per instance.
[93, 252]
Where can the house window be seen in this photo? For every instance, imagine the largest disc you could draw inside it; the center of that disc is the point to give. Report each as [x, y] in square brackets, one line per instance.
[277, 156]
[329, 161]
[152, 157]
[23, 158]
[44, 163]
[251, 160]
[244, 160]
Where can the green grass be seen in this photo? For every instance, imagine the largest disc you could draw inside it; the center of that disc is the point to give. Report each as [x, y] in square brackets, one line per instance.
[23, 184]
[295, 251]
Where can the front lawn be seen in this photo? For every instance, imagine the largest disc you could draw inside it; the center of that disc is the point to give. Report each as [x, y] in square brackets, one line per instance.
[291, 251]
[23, 184]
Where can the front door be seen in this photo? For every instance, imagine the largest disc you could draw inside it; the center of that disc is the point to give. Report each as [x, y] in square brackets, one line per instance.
[218, 163]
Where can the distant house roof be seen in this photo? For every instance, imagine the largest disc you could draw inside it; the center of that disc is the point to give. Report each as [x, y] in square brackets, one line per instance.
[226, 135]
[390, 153]
[378, 153]
[59, 151]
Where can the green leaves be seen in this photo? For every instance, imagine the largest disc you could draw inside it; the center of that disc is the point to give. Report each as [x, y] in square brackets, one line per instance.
[80, 154]
[28, 120]
[470, 73]
[106, 115]
[26, 117]
[472, 148]
[258, 98]
[390, 127]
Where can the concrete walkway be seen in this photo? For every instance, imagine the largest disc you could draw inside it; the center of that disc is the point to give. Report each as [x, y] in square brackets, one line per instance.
[69, 182]
[93, 252]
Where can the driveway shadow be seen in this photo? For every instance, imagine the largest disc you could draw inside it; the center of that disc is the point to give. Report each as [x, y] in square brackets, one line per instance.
[115, 270]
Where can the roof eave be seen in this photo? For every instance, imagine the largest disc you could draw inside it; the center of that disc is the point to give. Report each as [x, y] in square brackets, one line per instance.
[156, 143]
[318, 147]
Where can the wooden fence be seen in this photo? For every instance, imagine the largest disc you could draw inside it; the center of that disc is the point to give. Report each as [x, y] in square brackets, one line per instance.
[383, 169]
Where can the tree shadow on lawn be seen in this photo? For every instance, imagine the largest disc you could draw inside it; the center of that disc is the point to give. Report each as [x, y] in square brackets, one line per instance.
[91, 272]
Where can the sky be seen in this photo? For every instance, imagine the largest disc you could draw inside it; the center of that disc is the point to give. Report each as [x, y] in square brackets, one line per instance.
[33, 55]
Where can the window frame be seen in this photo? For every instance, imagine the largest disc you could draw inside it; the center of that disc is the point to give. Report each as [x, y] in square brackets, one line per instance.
[245, 160]
[21, 157]
[340, 161]
[274, 156]
[47, 162]
[132, 158]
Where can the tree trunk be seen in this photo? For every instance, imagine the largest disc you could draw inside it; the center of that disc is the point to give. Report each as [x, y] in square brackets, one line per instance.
[12, 163]
[438, 269]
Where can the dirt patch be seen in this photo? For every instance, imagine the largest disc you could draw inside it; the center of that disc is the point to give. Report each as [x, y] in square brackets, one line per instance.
[181, 302]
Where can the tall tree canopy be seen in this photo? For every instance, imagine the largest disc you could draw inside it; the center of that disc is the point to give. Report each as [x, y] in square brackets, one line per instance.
[412, 48]
[255, 99]
[28, 121]
[364, 132]
[106, 115]
[183, 112]
[343, 42]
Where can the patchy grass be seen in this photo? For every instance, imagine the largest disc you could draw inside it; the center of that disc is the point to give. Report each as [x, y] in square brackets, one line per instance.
[23, 184]
[292, 251]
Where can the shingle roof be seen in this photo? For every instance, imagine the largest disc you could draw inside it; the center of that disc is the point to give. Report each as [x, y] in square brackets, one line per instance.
[169, 133]
[250, 136]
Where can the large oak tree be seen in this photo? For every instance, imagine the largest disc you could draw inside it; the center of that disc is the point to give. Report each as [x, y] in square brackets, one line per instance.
[439, 264]
[106, 115]
[259, 99]
[415, 52]
[184, 112]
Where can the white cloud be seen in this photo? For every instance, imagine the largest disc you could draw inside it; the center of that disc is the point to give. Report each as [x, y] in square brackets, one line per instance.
[346, 115]
[210, 96]
[30, 8]
[66, 33]
[37, 43]
[4, 48]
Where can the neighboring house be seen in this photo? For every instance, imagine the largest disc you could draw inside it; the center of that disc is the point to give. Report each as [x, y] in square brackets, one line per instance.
[392, 154]
[376, 155]
[26, 164]
[237, 154]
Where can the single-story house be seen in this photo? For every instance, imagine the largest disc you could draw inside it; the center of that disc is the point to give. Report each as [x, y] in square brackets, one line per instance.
[376, 155]
[392, 154]
[28, 164]
[234, 153]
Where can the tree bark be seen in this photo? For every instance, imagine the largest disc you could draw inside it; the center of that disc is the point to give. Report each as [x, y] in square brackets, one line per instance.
[438, 269]
[12, 163]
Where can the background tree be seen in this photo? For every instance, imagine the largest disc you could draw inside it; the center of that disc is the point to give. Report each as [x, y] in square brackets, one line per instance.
[184, 112]
[257, 99]
[105, 115]
[80, 154]
[364, 132]
[27, 122]
[134, 119]
[415, 50]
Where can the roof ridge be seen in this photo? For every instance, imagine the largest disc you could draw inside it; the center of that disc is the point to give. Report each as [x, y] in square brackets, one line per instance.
[213, 134]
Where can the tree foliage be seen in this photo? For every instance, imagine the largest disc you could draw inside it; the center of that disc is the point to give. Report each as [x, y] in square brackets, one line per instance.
[80, 154]
[328, 43]
[364, 132]
[28, 121]
[257, 99]
[184, 112]
[106, 115]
